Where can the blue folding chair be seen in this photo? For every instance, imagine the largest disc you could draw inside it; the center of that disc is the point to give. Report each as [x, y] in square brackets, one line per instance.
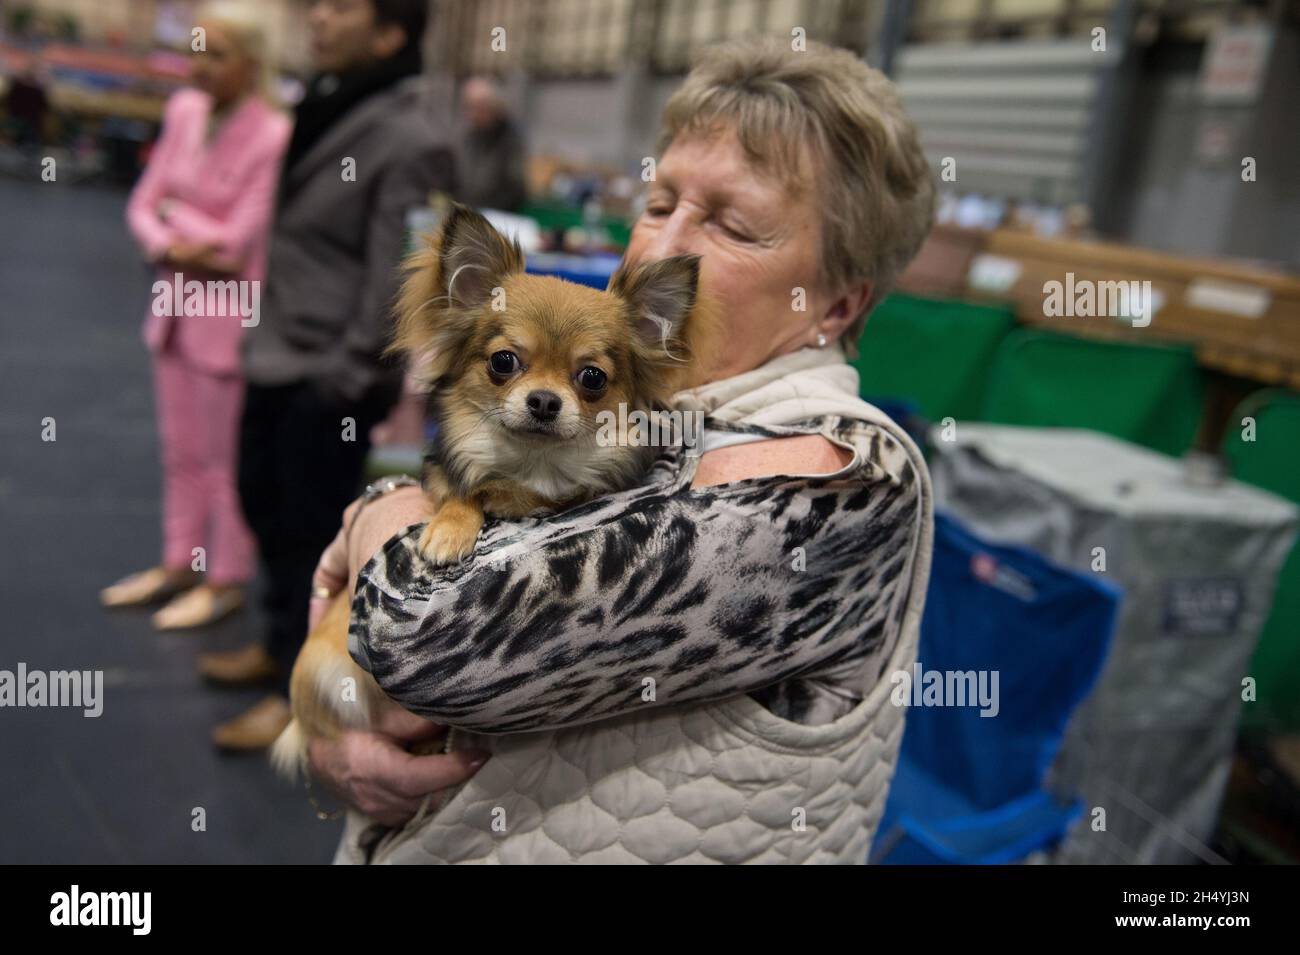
[969, 788]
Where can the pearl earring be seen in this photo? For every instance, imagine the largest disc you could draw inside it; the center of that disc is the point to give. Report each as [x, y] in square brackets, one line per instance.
[821, 340]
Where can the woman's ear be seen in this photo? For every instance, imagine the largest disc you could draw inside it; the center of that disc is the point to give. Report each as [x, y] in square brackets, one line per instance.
[843, 310]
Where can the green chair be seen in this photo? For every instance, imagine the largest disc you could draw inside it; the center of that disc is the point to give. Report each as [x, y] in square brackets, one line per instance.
[933, 353]
[1269, 461]
[1147, 394]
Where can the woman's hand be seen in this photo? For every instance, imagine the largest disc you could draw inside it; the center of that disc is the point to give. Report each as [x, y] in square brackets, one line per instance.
[187, 253]
[205, 256]
[372, 772]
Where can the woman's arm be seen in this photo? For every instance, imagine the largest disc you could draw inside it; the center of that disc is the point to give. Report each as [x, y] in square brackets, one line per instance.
[231, 237]
[152, 234]
[649, 597]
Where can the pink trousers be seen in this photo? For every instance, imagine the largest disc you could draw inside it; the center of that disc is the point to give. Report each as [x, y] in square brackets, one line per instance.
[198, 424]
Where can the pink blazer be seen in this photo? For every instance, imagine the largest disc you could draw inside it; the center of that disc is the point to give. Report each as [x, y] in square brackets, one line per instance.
[222, 192]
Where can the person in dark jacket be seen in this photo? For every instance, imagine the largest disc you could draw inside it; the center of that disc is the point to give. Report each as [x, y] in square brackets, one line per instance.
[364, 152]
[492, 153]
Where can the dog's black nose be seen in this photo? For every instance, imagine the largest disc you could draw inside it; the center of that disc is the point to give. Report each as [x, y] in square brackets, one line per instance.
[544, 405]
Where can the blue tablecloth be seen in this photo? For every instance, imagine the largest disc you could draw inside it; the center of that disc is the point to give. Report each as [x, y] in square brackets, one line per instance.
[592, 270]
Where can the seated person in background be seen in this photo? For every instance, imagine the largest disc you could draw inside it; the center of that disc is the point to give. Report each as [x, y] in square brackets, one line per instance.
[492, 152]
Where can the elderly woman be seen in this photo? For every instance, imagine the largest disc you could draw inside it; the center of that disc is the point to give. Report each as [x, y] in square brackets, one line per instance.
[695, 669]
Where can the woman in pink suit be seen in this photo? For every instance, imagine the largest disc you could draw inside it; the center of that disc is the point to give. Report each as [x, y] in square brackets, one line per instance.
[201, 212]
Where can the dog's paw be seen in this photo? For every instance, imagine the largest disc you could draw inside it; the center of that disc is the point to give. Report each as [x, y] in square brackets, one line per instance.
[447, 542]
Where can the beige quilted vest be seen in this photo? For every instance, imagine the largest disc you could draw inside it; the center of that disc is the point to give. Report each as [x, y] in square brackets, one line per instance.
[714, 782]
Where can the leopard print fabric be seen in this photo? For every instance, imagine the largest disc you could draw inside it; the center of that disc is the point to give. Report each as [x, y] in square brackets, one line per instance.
[790, 590]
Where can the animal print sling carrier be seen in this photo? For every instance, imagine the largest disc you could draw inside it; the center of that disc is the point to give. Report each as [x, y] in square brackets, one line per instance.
[668, 673]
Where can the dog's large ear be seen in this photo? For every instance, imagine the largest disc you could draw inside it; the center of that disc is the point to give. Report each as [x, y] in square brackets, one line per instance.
[474, 257]
[446, 283]
[662, 295]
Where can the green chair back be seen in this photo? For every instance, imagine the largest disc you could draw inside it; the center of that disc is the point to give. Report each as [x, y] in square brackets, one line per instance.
[934, 353]
[1150, 395]
[1267, 457]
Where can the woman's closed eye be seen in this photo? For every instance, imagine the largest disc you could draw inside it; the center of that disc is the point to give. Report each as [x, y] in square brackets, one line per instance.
[663, 208]
[735, 231]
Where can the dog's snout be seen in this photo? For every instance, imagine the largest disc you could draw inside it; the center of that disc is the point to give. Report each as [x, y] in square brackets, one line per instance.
[544, 405]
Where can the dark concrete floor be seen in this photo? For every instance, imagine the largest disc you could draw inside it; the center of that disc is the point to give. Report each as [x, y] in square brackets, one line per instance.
[76, 514]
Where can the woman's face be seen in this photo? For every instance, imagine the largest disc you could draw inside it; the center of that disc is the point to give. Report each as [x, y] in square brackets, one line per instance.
[220, 70]
[759, 243]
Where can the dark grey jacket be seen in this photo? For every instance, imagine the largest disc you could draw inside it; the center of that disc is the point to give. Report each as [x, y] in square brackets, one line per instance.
[493, 168]
[337, 244]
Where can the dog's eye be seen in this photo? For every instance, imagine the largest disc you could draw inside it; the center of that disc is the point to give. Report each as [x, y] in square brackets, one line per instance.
[503, 363]
[592, 379]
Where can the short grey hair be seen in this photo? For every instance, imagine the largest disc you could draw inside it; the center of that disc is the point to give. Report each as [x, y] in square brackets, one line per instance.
[876, 188]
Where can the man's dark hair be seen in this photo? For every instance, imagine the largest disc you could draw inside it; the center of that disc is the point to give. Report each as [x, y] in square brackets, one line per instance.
[411, 15]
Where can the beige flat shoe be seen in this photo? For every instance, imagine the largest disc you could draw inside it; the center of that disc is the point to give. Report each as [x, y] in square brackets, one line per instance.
[147, 586]
[199, 607]
[243, 667]
[256, 728]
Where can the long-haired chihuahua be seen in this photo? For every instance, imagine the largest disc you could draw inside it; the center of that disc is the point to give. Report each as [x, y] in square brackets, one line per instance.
[522, 368]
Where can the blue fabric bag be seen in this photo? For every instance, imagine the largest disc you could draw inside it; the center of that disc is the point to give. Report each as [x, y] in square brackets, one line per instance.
[1028, 639]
